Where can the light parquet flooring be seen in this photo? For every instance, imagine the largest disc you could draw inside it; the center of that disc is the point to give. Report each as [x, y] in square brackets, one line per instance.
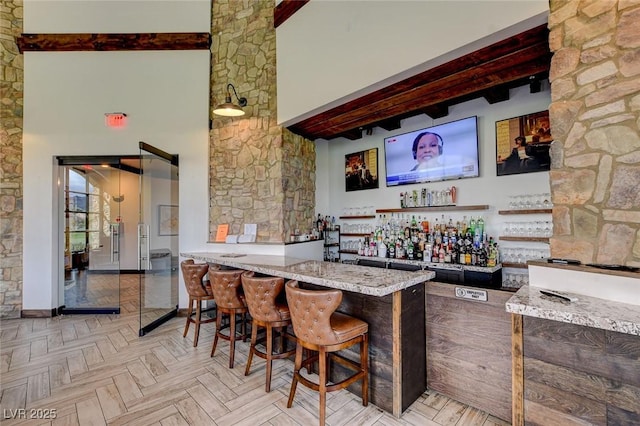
[95, 370]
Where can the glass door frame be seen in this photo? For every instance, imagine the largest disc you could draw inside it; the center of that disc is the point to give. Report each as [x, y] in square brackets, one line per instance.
[153, 278]
[65, 162]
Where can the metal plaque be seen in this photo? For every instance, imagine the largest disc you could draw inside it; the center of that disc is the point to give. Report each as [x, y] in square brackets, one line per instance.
[471, 293]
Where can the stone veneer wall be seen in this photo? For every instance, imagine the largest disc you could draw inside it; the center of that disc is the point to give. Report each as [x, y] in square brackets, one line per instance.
[595, 116]
[12, 82]
[259, 172]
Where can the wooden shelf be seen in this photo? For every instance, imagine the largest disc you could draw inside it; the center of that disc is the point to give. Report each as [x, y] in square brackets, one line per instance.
[538, 239]
[525, 211]
[332, 245]
[348, 251]
[367, 216]
[434, 209]
[354, 234]
[515, 265]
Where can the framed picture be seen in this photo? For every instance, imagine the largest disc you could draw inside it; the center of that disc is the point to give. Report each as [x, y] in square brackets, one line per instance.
[522, 144]
[167, 220]
[361, 170]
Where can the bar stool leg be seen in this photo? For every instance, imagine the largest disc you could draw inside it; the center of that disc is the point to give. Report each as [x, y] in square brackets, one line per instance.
[232, 340]
[198, 317]
[364, 367]
[322, 383]
[215, 339]
[252, 346]
[269, 353]
[186, 327]
[296, 371]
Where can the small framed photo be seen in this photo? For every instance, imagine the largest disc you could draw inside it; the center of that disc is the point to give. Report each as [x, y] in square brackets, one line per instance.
[522, 144]
[167, 220]
[361, 170]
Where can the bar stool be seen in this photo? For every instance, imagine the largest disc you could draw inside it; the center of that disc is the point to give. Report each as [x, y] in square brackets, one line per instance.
[269, 311]
[319, 328]
[227, 290]
[198, 291]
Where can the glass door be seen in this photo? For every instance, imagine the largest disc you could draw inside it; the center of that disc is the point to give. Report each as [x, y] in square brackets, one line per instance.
[157, 237]
[91, 238]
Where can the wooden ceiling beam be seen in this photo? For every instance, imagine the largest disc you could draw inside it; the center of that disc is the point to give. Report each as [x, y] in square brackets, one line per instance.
[500, 64]
[365, 111]
[285, 9]
[352, 135]
[112, 42]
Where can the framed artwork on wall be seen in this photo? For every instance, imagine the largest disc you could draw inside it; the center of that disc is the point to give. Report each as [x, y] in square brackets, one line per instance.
[167, 220]
[361, 170]
[522, 144]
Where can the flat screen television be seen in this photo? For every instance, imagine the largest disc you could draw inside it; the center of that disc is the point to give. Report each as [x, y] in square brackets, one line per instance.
[442, 152]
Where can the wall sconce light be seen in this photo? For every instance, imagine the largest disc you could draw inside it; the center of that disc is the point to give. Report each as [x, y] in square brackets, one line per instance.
[228, 108]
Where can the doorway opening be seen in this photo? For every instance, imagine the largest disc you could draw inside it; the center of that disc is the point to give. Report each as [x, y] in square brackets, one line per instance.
[118, 235]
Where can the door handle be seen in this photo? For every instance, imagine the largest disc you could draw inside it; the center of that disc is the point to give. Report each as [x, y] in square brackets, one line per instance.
[144, 262]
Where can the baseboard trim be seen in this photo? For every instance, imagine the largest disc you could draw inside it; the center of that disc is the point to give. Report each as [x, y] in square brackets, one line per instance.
[38, 313]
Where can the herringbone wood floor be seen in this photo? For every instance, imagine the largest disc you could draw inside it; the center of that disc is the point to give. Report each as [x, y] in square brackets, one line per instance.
[95, 370]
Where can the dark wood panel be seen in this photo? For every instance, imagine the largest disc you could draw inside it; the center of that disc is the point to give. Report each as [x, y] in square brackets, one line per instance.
[571, 405]
[555, 332]
[575, 374]
[582, 359]
[540, 415]
[111, 42]
[495, 357]
[465, 382]
[625, 345]
[618, 416]
[469, 348]
[583, 384]
[413, 341]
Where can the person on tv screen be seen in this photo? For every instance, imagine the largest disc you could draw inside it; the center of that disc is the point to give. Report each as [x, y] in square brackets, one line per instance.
[428, 150]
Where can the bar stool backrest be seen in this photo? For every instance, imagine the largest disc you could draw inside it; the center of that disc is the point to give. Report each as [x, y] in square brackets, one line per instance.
[311, 312]
[261, 294]
[192, 273]
[227, 288]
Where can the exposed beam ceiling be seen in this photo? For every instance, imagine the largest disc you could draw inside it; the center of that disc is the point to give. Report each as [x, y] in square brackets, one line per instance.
[488, 72]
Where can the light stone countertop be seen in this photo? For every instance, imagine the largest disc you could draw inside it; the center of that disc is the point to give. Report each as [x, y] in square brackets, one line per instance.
[587, 311]
[354, 278]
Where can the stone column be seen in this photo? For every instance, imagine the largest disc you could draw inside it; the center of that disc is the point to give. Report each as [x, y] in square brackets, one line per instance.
[12, 81]
[259, 171]
[595, 116]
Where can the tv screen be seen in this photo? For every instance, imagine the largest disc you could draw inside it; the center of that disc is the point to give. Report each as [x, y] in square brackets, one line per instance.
[442, 152]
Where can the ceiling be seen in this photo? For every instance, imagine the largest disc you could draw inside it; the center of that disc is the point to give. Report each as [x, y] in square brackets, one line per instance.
[488, 72]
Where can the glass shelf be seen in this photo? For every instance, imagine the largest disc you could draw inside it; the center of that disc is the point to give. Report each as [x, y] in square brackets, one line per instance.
[434, 209]
[525, 211]
[368, 216]
[514, 238]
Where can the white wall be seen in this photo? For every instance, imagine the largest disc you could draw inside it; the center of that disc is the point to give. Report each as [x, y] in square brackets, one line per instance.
[489, 188]
[333, 51]
[164, 93]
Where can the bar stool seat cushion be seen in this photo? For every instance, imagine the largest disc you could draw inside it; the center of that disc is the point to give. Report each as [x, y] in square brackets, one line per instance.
[347, 327]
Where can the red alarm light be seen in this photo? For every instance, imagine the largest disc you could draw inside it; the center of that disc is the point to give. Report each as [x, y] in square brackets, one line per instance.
[115, 119]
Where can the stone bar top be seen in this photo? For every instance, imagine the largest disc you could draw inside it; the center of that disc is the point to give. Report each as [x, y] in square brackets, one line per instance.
[342, 276]
[587, 311]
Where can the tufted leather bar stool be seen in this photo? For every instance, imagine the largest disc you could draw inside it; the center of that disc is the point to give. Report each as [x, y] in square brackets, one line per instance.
[227, 290]
[268, 308]
[319, 328]
[199, 291]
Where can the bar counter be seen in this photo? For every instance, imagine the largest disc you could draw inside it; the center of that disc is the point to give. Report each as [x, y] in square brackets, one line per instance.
[390, 301]
[575, 361]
